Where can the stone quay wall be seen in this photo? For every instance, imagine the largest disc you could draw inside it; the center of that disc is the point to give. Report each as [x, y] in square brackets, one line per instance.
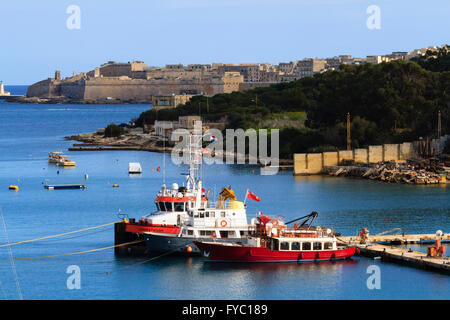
[314, 163]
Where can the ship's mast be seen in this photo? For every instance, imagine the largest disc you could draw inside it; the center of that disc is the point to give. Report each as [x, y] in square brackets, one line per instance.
[195, 155]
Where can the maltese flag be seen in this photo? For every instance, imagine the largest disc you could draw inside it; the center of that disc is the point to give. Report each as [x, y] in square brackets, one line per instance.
[252, 196]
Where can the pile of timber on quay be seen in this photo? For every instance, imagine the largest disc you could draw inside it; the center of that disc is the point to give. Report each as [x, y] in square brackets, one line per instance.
[411, 172]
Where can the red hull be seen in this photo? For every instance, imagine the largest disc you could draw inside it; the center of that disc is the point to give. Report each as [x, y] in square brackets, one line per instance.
[219, 252]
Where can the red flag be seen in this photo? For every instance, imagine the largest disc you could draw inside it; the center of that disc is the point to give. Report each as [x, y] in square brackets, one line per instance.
[253, 196]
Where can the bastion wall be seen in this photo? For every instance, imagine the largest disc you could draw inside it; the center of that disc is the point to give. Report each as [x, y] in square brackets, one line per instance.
[314, 163]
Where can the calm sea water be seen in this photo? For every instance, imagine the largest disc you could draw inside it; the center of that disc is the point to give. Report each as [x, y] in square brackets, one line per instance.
[28, 132]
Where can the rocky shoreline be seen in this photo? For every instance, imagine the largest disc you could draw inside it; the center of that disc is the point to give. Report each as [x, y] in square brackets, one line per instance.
[128, 141]
[133, 141]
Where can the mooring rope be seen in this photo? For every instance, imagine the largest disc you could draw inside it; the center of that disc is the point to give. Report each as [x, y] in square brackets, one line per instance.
[80, 252]
[78, 236]
[58, 235]
[11, 258]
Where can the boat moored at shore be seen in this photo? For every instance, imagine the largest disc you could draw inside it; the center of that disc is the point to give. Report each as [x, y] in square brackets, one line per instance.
[225, 221]
[268, 243]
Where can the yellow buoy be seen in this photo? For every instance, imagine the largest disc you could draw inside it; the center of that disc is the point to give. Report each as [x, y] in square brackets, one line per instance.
[115, 185]
[15, 188]
[189, 249]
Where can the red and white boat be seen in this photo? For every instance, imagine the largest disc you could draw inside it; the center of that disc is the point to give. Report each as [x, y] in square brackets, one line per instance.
[272, 243]
[173, 203]
[187, 213]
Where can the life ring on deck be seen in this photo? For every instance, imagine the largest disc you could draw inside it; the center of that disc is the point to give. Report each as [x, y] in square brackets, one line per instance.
[275, 222]
[223, 223]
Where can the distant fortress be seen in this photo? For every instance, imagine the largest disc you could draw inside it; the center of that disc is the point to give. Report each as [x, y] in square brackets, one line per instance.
[136, 82]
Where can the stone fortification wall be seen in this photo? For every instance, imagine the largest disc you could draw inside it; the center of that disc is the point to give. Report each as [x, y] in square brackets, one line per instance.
[140, 89]
[44, 89]
[314, 163]
[73, 89]
[97, 88]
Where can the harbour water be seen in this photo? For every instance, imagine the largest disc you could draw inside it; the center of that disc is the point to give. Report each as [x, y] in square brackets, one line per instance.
[28, 132]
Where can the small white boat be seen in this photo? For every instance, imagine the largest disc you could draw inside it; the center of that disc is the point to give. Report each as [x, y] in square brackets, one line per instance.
[134, 167]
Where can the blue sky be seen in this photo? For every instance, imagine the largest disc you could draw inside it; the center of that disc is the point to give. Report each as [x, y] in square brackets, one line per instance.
[35, 40]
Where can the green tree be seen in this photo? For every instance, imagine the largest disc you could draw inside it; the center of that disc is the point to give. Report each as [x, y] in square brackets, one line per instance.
[113, 130]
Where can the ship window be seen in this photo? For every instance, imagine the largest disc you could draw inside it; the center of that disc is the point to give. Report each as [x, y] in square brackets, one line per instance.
[179, 206]
[190, 232]
[317, 245]
[168, 206]
[306, 245]
[207, 214]
[284, 246]
[222, 214]
[205, 233]
[295, 246]
[195, 214]
[223, 234]
[328, 246]
[212, 214]
[244, 233]
[202, 215]
[162, 207]
[157, 206]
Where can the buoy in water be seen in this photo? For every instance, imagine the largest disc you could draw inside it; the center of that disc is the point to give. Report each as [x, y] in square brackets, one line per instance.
[86, 176]
[115, 185]
[15, 188]
[189, 249]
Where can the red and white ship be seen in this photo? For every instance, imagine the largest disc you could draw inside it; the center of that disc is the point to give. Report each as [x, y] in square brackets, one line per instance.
[279, 243]
[173, 203]
[186, 213]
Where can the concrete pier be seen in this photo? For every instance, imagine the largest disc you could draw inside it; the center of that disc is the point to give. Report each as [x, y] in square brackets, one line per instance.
[374, 248]
[408, 257]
